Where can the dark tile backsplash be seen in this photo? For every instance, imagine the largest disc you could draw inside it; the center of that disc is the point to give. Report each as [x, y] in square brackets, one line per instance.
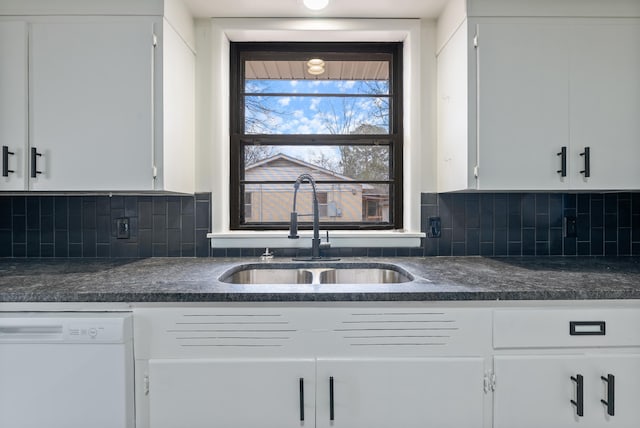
[486, 224]
[532, 224]
[85, 226]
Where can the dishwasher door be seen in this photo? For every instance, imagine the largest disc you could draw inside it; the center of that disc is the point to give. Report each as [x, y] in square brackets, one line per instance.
[66, 370]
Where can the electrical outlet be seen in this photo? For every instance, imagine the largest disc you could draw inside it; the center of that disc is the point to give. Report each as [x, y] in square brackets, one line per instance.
[434, 227]
[122, 228]
[570, 227]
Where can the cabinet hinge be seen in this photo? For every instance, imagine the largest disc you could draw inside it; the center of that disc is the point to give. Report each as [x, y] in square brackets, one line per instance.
[475, 41]
[475, 171]
[489, 382]
[155, 172]
[155, 40]
[146, 385]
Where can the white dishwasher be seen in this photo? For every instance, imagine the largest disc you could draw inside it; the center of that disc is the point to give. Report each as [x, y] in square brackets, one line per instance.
[66, 370]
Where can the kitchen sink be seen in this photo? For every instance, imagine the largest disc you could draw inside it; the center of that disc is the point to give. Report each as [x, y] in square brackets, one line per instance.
[316, 273]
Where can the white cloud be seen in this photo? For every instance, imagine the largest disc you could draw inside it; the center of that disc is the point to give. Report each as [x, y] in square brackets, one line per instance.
[284, 101]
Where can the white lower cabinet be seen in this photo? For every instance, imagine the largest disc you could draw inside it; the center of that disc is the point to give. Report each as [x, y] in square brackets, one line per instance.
[265, 393]
[400, 392]
[567, 390]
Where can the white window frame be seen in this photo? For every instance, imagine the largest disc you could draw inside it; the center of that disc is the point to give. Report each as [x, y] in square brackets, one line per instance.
[213, 77]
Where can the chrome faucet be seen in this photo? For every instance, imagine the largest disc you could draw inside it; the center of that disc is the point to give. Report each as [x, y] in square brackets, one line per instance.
[316, 243]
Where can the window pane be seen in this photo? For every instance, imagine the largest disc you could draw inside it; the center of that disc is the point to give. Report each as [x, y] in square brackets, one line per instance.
[279, 114]
[320, 87]
[344, 163]
[345, 203]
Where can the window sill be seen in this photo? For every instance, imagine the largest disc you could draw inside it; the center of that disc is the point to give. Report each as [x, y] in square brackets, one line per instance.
[338, 238]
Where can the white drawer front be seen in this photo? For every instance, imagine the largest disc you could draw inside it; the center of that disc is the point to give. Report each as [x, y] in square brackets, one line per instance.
[565, 328]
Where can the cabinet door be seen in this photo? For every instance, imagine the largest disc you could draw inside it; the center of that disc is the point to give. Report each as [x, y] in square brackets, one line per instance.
[402, 392]
[91, 104]
[232, 393]
[536, 391]
[605, 104]
[522, 105]
[625, 391]
[13, 105]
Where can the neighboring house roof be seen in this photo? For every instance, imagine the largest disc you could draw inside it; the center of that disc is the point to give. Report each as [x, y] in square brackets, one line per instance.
[287, 168]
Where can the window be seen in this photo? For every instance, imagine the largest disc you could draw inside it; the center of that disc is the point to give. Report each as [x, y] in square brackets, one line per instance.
[333, 110]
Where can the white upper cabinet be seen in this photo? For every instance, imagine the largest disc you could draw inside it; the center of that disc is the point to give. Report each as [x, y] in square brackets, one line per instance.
[550, 104]
[91, 105]
[96, 103]
[13, 104]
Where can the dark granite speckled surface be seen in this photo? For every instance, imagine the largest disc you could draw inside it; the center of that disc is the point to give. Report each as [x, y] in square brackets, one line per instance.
[435, 278]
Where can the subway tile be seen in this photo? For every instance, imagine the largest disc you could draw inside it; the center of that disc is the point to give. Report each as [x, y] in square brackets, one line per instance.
[624, 242]
[610, 248]
[403, 252]
[635, 228]
[103, 229]
[173, 214]
[74, 204]
[19, 229]
[123, 249]
[205, 197]
[188, 205]
[570, 246]
[486, 249]
[173, 243]
[145, 214]
[430, 247]
[444, 211]
[528, 242]
[160, 205]
[5, 212]
[145, 242]
[584, 203]
[515, 228]
[5, 243]
[188, 250]
[46, 229]
[514, 204]
[529, 210]
[203, 244]
[515, 249]
[159, 229]
[233, 252]
[542, 203]
[75, 250]
[219, 252]
[374, 252]
[429, 198]
[61, 212]
[33, 243]
[130, 206]
[473, 242]
[444, 242]
[597, 213]
[103, 250]
[356, 251]
[19, 205]
[61, 243]
[389, 252]
[117, 202]
[635, 249]
[570, 201]
[89, 213]
[597, 241]
[501, 211]
[584, 248]
[47, 250]
[542, 227]
[501, 247]
[75, 229]
[555, 242]
[583, 227]
[89, 243]
[610, 203]
[103, 206]
[624, 213]
[635, 203]
[33, 213]
[203, 215]
[159, 250]
[610, 227]
[555, 210]
[472, 211]
[46, 205]
[542, 249]
[19, 250]
[458, 249]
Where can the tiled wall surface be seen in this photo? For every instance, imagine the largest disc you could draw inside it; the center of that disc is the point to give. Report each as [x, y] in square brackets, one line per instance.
[85, 226]
[531, 224]
[486, 224]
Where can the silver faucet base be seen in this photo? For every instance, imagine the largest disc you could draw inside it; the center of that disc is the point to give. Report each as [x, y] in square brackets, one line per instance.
[315, 259]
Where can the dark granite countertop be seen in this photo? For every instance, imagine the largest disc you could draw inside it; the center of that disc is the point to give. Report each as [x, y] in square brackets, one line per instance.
[435, 278]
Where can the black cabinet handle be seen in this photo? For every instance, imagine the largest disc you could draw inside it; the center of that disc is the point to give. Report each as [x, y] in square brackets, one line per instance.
[5, 161]
[301, 399]
[34, 162]
[579, 401]
[587, 162]
[331, 409]
[563, 162]
[611, 386]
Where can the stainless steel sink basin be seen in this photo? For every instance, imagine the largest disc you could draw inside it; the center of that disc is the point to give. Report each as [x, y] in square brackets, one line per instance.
[316, 273]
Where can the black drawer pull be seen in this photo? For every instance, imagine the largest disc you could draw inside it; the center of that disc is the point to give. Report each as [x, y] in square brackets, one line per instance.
[563, 162]
[587, 328]
[611, 391]
[579, 401]
[587, 162]
[301, 399]
[5, 161]
[34, 162]
[331, 409]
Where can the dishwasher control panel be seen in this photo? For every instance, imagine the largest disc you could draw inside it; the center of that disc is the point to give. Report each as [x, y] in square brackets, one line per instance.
[65, 327]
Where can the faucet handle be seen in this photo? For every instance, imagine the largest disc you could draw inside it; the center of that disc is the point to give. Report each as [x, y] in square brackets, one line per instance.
[293, 226]
[326, 244]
